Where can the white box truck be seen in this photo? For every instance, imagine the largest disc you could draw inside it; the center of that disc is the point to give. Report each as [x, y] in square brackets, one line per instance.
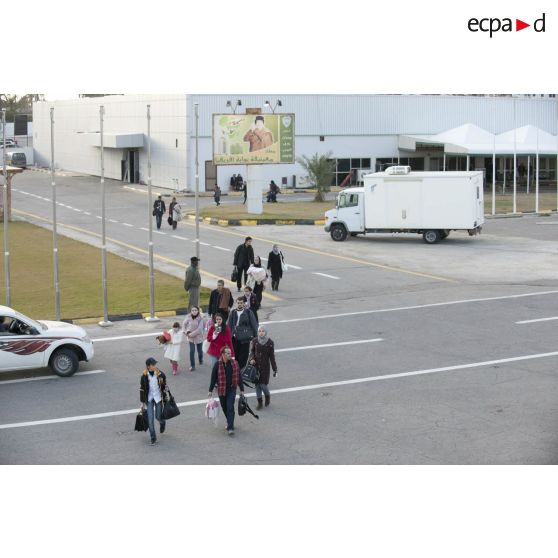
[400, 201]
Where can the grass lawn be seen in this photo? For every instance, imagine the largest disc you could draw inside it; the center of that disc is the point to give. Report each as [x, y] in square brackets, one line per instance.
[525, 202]
[32, 279]
[279, 210]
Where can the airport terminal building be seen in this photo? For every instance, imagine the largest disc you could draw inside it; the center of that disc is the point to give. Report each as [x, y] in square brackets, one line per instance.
[427, 132]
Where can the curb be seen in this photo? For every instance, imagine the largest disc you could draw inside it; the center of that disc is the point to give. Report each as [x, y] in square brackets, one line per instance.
[545, 213]
[131, 316]
[254, 222]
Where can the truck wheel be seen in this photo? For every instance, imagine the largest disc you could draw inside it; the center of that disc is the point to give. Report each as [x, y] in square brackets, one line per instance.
[64, 362]
[338, 233]
[431, 237]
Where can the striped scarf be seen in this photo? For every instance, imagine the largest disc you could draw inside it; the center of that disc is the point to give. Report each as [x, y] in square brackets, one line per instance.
[222, 378]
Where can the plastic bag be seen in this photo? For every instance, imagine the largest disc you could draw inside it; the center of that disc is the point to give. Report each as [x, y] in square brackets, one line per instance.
[212, 409]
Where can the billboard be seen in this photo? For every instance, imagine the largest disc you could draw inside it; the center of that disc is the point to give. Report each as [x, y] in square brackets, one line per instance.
[253, 139]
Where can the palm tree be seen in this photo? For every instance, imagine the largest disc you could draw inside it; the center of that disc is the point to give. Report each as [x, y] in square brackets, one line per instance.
[320, 169]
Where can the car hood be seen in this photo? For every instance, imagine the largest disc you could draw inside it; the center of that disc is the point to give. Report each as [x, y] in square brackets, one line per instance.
[62, 328]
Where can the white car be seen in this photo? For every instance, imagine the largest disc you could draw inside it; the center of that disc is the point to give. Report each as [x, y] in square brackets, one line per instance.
[27, 343]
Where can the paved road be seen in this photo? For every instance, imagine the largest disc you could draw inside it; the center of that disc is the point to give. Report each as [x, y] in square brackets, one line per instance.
[424, 361]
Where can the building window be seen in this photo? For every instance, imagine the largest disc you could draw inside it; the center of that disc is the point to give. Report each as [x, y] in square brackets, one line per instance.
[346, 170]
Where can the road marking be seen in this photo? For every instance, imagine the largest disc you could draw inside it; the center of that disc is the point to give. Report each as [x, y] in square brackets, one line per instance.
[86, 213]
[88, 372]
[539, 320]
[328, 345]
[336, 256]
[205, 244]
[137, 249]
[113, 221]
[98, 216]
[179, 237]
[417, 307]
[144, 229]
[297, 388]
[159, 232]
[100, 339]
[225, 249]
[127, 225]
[289, 265]
[556, 223]
[325, 275]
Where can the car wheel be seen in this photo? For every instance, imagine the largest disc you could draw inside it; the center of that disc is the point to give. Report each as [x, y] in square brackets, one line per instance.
[431, 236]
[338, 233]
[64, 362]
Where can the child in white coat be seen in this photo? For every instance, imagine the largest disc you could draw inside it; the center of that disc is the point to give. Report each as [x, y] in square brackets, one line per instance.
[172, 351]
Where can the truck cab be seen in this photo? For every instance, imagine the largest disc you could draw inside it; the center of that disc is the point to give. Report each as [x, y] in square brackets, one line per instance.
[348, 215]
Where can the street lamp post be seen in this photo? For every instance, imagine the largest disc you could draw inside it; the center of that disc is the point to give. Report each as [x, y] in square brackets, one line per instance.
[6, 212]
[151, 317]
[105, 321]
[197, 200]
[54, 227]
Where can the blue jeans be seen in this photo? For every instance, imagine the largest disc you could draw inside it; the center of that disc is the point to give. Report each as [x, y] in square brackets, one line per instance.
[227, 404]
[193, 354]
[158, 408]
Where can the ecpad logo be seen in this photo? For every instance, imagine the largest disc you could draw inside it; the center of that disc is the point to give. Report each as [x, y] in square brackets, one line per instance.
[494, 24]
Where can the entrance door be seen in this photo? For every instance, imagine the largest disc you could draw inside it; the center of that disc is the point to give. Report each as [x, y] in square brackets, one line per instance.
[210, 176]
[130, 171]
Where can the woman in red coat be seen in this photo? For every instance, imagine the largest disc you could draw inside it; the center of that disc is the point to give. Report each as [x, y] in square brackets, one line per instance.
[218, 336]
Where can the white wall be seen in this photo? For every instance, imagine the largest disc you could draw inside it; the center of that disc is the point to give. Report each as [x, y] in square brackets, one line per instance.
[123, 114]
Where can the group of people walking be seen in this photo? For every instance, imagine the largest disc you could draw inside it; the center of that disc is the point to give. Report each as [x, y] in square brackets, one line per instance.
[175, 212]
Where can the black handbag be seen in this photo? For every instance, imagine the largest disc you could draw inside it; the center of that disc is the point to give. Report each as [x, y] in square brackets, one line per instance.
[169, 220]
[243, 407]
[243, 333]
[142, 424]
[234, 275]
[250, 375]
[170, 409]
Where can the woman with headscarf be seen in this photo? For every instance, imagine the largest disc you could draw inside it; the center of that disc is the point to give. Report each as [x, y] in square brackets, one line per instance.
[257, 276]
[275, 264]
[192, 327]
[262, 356]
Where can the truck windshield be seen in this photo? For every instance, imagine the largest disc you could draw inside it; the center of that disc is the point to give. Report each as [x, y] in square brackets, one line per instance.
[348, 200]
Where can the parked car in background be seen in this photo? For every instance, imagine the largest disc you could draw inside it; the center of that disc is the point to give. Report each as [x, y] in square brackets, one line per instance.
[17, 159]
[9, 143]
[26, 343]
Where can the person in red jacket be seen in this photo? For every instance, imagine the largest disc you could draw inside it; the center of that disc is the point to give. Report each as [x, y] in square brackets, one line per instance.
[219, 335]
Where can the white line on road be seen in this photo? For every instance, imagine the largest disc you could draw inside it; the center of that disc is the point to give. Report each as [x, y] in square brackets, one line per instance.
[328, 345]
[219, 248]
[325, 275]
[298, 388]
[144, 229]
[179, 237]
[152, 334]
[113, 220]
[98, 216]
[88, 372]
[205, 244]
[160, 232]
[293, 266]
[555, 223]
[539, 320]
[86, 213]
[127, 225]
[434, 304]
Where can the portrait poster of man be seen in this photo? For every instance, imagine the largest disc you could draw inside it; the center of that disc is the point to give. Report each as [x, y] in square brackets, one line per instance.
[253, 139]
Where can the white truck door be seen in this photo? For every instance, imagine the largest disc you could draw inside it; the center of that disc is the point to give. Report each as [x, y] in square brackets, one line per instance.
[351, 211]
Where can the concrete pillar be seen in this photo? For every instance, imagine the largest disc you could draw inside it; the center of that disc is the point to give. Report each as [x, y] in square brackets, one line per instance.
[255, 185]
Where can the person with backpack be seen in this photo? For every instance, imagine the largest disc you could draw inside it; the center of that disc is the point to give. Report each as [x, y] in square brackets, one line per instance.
[243, 328]
[262, 356]
[153, 394]
[226, 376]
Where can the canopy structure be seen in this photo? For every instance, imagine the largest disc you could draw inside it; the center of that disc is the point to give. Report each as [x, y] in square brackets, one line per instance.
[469, 139]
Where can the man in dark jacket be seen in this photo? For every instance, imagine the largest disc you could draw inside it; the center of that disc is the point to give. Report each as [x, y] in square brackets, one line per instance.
[220, 300]
[243, 328]
[159, 209]
[192, 282]
[153, 393]
[243, 257]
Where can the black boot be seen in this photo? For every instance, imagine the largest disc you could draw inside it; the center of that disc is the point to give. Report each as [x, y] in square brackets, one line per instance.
[259, 405]
[267, 400]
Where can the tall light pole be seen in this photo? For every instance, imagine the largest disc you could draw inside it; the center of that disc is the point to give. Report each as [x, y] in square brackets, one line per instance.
[197, 186]
[105, 321]
[514, 158]
[152, 317]
[54, 230]
[494, 160]
[6, 212]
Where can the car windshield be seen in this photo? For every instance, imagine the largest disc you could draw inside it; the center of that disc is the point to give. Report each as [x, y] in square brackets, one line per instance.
[37, 325]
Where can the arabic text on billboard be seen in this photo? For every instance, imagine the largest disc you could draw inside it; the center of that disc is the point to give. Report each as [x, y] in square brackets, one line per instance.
[249, 139]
